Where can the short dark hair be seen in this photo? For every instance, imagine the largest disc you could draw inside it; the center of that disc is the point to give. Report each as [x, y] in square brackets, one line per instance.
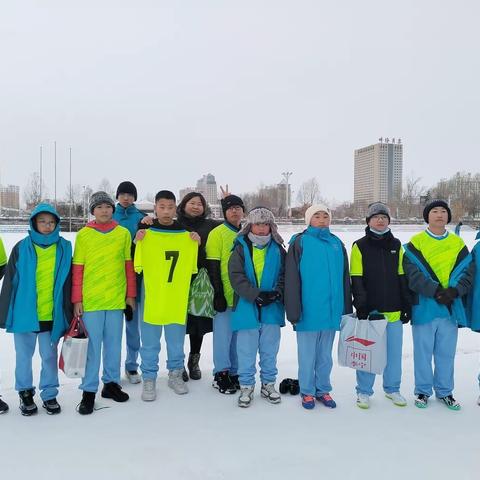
[165, 194]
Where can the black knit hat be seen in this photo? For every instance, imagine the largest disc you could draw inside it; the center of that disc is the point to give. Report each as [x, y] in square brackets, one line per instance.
[231, 201]
[436, 203]
[127, 187]
[377, 208]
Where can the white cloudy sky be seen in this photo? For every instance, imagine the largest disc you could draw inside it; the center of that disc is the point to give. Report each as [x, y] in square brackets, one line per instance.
[161, 92]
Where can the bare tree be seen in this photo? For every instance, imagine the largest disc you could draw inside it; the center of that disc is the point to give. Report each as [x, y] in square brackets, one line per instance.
[409, 205]
[105, 186]
[309, 193]
[34, 191]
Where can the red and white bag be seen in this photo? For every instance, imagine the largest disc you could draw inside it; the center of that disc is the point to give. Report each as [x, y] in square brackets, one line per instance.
[73, 358]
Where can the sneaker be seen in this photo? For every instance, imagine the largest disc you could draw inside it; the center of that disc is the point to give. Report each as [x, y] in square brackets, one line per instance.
[149, 391]
[327, 400]
[308, 401]
[27, 405]
[87, 404]
[268, 391]
[235, 381]
[185, 375]
[51, 406]
[450, 402]
[363, 401]
[223, 383]
[133, 376]
[114, 391]
[246, 396]
[397, 398]
[193, 367]
[3, 407]
[176, 383]
[421, 400]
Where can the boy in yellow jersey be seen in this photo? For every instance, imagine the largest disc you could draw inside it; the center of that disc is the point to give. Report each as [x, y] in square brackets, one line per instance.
[103, 284]
[439, 269]
[35, 305]
[219, 248]
[3, 264]
[166, 254]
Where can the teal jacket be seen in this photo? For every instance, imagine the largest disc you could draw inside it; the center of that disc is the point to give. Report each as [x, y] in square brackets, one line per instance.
[473, 299]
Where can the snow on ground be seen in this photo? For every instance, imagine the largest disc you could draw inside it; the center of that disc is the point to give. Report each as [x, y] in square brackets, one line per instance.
[204, 435]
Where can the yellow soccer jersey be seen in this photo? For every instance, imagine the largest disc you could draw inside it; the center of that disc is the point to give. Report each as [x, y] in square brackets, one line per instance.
[168, 259]
[3, 255]
[103, 256]
[219, 247]
[45, 279]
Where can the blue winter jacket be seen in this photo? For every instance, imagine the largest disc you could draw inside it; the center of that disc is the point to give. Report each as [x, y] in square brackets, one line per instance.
[245, 312]
[128, 217]
[473, 299]
[317, 281]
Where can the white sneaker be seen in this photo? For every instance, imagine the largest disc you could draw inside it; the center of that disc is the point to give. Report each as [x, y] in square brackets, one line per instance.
[397, 398]
[149, 391]
[133, 376]
[176, 383]
[268, 391]
[246, 395]
[363, 401]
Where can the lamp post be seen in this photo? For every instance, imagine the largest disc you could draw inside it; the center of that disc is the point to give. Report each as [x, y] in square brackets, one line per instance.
[286, 176]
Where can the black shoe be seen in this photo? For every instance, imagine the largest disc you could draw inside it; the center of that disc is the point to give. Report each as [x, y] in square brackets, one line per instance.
[51, 406]
[184, 375]
[235, 381]
[27, 405]
[289, 385]
[193, 368]
[3, 407]
[223, 383]
[114, 391]
[86, 405]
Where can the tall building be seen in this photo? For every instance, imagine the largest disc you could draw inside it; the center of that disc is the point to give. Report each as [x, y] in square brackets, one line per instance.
[207, 185]
[378, 172]
[10, 197]
[184, 192]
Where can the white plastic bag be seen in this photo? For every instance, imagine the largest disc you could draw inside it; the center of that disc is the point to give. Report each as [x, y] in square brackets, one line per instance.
[73, 358]
[363, 344]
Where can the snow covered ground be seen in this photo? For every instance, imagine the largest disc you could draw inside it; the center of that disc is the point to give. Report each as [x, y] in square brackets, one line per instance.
[204, 435]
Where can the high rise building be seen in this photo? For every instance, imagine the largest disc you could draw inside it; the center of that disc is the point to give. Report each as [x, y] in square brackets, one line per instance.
[207, 185]
[378, 172]
[10, 197]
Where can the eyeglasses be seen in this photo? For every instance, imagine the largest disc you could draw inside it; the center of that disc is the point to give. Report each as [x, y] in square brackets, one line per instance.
[49, 223]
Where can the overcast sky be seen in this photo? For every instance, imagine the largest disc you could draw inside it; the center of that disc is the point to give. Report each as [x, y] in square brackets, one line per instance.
[161, 92]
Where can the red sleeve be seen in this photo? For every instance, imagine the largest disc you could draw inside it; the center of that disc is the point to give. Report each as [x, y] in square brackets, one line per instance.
[131, 279]
[77, 283]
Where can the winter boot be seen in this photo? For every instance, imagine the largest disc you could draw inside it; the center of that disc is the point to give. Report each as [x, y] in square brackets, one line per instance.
[86, 405]
[246, 396]
[397, 398]
[327, 400]
[51, 406]
[223, 383]
[3, 407]
[363, 401]
[133, 376]
[114, 391]
[27, 405]
[235, 381]
[450, 402]
[185, 375]
[149, 392]
[193, 367]
[176, 383]
[268, 391]
[421, 401]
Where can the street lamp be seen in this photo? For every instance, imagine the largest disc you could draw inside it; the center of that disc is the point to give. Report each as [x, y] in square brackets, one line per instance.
[286, 176]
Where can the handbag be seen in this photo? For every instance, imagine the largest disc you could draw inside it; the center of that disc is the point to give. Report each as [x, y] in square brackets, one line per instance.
[73, 357]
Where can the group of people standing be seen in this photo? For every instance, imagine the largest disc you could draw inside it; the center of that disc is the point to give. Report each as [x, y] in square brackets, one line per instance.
[184, 273]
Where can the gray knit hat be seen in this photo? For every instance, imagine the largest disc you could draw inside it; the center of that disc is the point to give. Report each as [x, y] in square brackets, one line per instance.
[98, 198]
[378, 208]
[261, 215]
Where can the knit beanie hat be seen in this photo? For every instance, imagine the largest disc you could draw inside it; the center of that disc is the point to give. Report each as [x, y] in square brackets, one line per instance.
[261, 215]
[377, 208]
[231, 201]
[436, 203]
[98, 198]
[127, 187]
[312, 210]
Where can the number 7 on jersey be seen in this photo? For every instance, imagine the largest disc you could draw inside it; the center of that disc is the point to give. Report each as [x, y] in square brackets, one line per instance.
[173, 256]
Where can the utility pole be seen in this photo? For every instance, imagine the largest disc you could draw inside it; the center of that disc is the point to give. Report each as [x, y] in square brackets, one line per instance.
[286, 176]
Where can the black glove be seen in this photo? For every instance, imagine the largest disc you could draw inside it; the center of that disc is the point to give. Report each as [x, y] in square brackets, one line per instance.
[219, 302]
[406, 315]
[362, 313]
[128, 313]
[266, 298]
[446, 296]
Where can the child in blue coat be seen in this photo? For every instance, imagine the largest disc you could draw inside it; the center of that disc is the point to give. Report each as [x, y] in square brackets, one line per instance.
[35, 305]
[317, 294]
[256, 272]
